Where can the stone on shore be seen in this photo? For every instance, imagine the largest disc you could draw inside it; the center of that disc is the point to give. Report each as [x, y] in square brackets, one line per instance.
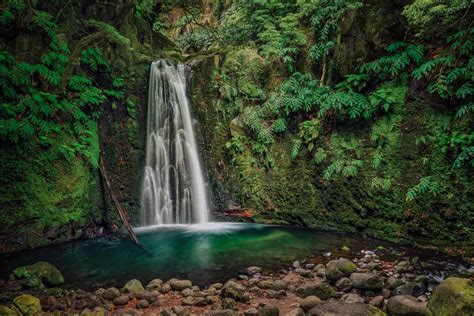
[453, 295]
[402, 305]
[337, 269]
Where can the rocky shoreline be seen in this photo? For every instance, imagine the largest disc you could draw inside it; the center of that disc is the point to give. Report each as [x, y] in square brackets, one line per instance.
[365, 285]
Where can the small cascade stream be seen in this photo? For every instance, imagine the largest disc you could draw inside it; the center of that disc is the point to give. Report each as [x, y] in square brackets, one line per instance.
[173, 189]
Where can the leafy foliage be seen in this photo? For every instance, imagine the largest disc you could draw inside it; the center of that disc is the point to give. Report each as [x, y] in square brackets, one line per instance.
[32, 108]
[426, 184]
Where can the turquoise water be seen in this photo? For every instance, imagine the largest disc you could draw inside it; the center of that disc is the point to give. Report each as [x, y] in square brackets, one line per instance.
[203, 253]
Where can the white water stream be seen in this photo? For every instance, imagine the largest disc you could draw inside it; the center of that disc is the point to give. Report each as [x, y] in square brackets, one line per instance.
[173, 190]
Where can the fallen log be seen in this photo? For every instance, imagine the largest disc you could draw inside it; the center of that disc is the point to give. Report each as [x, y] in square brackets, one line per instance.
[116, 201]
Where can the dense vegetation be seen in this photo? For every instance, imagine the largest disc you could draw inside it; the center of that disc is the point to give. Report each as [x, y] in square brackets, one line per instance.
[349, 115]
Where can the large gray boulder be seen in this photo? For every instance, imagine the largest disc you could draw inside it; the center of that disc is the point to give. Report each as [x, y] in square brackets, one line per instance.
[406, 305]
[366, 281]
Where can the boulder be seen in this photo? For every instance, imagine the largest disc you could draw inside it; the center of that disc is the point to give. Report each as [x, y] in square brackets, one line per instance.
[366, 281]
[110, 294]
[453, 295]
[377, 301]
[279, 285]
[154, 284]
[406, 305]
[143, 304]
[336, 269]
[352, 298]
[323, 290]
[27, 304]
[133, 286]
[228, 303]
[309, 302]
[253, 270]
[165, 288]
[121, 300]
[251, 312]
[344, 284]
[341, 308]
[234, 290]
[224, 312]
[305, 273]
[179, 285]
[265, 284]
[269, 310]
[6, 311]
[40, 271]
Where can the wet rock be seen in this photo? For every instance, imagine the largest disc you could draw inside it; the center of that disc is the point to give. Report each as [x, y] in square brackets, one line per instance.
[250, 271]
[352, 298]
[200, 301]
[111, 293]
[143, 304]
[279, 285]
[217, 286]
[233, 290]
[39, 273]
[179, 285]
[323, 290]
[295, 312]
[393, 282]
[243, 277]
[403, 266]
[27, 304]
[93, 312]
[333, 307]
[336, 269]
[269, 310]
[454, 296]
[133, 286]
[374, 266]
[187, 292]
[309, 302]
[225, 312]
[228, 303]
[165, 288]
[402, 305]
[344, 284]
[265, 284]
[251, 312]
[377, 301]
[304, 273]
[405, 289]
[366, 281]
[154, 284]
[296, 265]
[281, 294]
[121, 300]
[188, 301]
[126, 312]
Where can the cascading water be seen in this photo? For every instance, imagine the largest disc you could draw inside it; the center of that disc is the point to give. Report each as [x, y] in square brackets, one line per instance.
[173, 187]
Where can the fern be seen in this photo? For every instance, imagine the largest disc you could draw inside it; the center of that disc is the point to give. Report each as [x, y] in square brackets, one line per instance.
[426, 184]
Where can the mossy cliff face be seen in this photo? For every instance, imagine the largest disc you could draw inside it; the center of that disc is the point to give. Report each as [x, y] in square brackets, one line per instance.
[395, 149]
[44, 197]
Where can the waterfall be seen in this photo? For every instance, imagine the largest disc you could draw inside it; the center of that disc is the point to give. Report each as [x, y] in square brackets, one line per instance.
[173, 187]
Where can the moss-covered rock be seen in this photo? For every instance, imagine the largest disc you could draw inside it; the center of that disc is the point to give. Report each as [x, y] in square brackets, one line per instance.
[133, 286]
[40, 272]
[6, 311]
[27, 304]
[336, 269]
[454, 296]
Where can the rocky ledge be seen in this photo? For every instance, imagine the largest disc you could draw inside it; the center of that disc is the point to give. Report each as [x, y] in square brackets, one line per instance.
[365, 285]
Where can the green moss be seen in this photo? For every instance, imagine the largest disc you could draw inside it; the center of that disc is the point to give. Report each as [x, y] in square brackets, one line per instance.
[454, 296]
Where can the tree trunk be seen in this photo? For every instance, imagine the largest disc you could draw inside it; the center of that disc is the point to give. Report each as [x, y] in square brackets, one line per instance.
[119, 208]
